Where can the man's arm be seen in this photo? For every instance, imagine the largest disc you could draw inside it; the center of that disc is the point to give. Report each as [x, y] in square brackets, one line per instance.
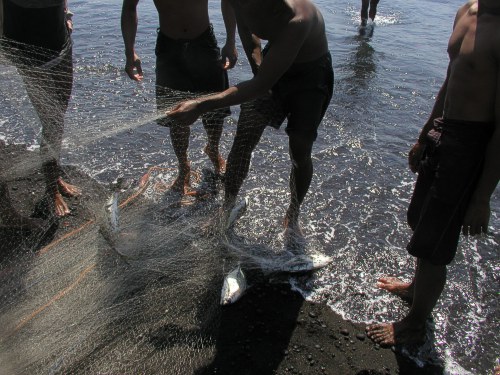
[129, 22]
[279, 58]
[228, 52]
[251, 45]
[478, 213]
[417, 150]
[68, 15]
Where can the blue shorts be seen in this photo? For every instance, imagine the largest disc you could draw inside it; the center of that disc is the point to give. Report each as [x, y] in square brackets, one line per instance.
[447, 177]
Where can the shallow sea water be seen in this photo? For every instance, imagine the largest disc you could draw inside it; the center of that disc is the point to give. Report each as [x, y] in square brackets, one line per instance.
[385, 85]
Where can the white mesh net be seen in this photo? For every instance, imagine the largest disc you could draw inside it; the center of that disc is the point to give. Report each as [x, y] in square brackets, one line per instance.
[132, 277]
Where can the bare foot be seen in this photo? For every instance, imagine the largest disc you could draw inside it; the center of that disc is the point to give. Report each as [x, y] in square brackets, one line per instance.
[61, 209]
[291, 224]
[397, 287]
[181, 183]
[217, 160]
[496, 370]
[68, 190]
[389, 334]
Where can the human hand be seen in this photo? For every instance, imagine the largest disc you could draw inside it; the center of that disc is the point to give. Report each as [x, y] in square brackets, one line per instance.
[476, 218]
[133, 68]
[229, 56]
[69, 20]
[186, 112]
[415, 156]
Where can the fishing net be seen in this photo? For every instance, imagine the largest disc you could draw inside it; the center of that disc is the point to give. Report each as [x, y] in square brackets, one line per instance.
[132, 278]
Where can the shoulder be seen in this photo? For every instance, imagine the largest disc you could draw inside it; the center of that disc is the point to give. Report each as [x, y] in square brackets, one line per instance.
[305, 14]
[470, 8]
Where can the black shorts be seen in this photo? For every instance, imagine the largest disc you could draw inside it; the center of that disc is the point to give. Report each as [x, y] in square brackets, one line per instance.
[188, 68]
[447, 177]
[25, 28]
[301, 95]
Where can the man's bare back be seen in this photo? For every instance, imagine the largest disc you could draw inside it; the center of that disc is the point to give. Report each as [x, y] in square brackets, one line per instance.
[182, 19]
[474, 51]
[261, 16]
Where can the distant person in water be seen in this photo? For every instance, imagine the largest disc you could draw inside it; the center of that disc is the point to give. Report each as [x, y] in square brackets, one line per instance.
[37, 34]
[293, 79]
[457, 157]
[368, 9]
[187, 60]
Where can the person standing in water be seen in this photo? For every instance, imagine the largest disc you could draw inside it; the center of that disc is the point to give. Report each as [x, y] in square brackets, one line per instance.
[457, 157]
[294, 80]
[187, 60]
[37, 37]
[368, 9]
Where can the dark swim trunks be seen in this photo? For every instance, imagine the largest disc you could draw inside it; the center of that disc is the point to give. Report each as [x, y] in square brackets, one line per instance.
[45, 28]
[188, 68]
[447, 177]
[301, 95]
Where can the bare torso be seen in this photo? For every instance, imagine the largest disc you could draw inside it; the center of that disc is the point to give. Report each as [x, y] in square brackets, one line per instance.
[182, 19]
[267, 21]
[474, 51]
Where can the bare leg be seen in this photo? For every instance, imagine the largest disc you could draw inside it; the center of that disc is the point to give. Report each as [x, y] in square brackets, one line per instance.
[300, 178]
[248, 134]
[364, 11]
[213, 128]
[373, 9]
[179, 135]
[429, 283]
[50, 96]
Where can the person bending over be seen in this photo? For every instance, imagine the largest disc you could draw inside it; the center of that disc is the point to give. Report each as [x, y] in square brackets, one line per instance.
[294, 80]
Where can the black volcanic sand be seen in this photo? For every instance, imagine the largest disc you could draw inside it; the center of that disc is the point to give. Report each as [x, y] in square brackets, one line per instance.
[270, 330]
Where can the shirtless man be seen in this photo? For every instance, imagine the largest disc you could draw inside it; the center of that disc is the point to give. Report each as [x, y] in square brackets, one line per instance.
[187, 59]
[38, 36]
[461, 139]
[293, 80]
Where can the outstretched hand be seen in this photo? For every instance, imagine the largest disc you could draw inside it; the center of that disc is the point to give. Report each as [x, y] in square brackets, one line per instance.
[415, 156]
[185, 113]
[133, 68]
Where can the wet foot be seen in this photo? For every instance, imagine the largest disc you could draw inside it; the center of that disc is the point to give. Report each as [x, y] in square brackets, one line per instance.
[182, 182]
[61, 209]
[291, 223]
[68, 190]
[399, 333]
[397, 287]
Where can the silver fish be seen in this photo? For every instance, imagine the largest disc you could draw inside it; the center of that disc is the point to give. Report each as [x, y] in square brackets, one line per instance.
[113, 212]
[234, 286]
[237, 211]
[298, 263]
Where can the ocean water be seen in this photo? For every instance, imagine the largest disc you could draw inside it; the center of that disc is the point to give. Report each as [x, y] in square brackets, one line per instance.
[385, 85]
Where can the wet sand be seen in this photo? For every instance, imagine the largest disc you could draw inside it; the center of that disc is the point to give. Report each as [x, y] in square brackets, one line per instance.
[270, 330]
